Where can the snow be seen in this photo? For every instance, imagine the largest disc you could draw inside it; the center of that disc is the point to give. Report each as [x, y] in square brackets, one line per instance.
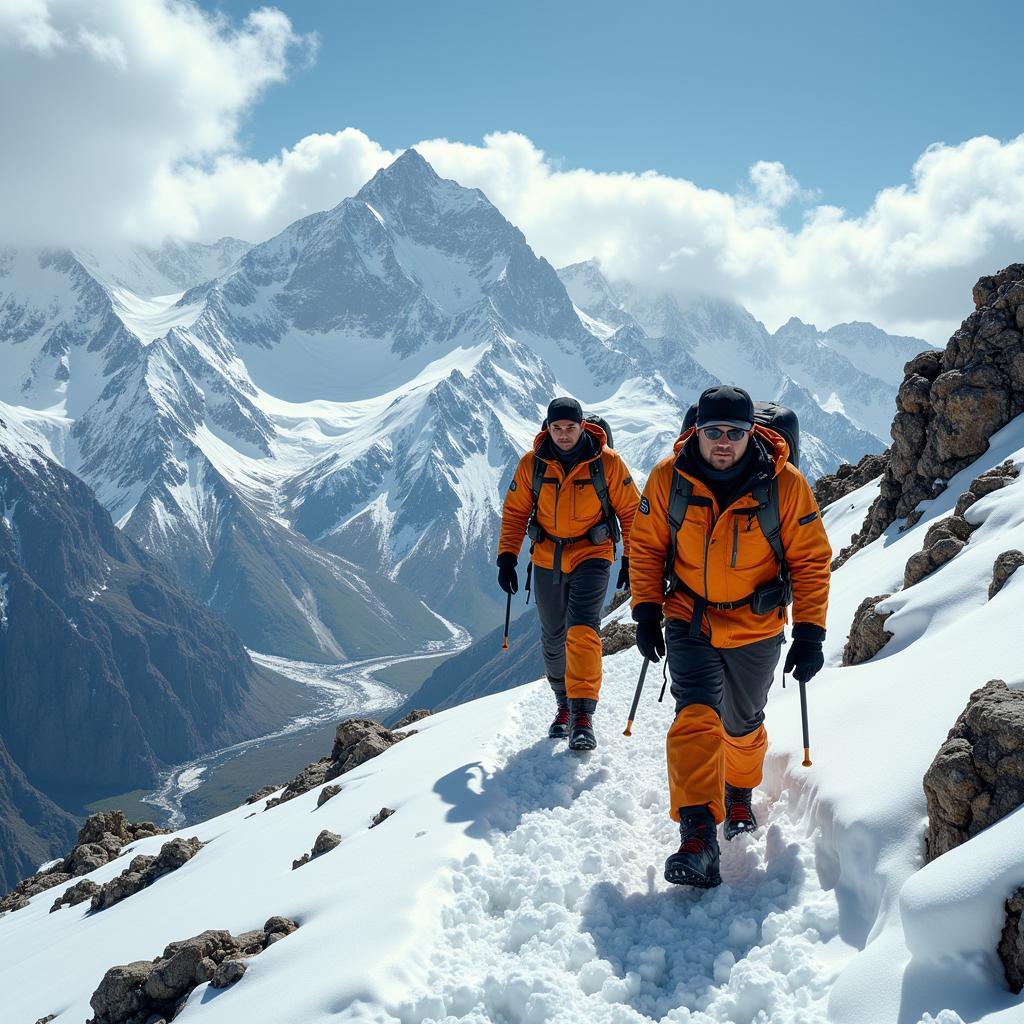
[4, 590]
[152, 318]
[520, 882]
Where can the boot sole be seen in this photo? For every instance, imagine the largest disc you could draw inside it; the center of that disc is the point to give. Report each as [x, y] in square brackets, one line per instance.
[583, 743]
[730, 835]
[679, 875]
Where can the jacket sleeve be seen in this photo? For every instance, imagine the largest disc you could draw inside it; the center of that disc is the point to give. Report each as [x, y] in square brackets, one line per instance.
[648, 539]
[518, 506]
[625, 498]
[808, 551]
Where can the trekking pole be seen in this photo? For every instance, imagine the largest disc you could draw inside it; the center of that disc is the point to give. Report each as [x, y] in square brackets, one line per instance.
[636, 698]
[803, 716]
[508, 612]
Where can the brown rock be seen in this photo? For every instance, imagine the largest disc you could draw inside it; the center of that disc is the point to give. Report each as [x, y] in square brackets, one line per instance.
[619, 598]
[617, 636]
[848, 478]
[977, 776]
[1011, 942]
[228, 973]
[867, 632]
[75, 894]
[325, 842]
[326, 793]
[1005, 566]
[303, 860]
[382, 815]
[144, 870]
[261, 794]
[120, 994]
[280, 924]
[414, 716]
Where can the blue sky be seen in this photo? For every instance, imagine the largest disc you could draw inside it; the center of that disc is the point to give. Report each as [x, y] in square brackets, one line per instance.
[846, 95]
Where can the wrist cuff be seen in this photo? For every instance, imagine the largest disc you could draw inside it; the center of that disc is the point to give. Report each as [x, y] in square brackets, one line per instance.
[647, 611]
[808, 631]
[506, 558]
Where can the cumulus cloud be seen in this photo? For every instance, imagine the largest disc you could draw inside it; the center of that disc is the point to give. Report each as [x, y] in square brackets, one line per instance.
[126, 122]
[105, 103]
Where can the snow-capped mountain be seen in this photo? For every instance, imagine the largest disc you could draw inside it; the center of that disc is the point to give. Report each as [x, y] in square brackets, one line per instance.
[852, 370]
[317, 437]
[516, 881]
[109, 671]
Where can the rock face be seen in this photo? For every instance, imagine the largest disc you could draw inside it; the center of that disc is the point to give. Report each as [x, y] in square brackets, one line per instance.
[977, 776]
[617, 636]
[868, 634]
[413, 716]
[847, 478]
[146, 990]
[100, 840]
[356, 740]
[1006, 565]
[1011, 943]
[382, 815]
[951, 402]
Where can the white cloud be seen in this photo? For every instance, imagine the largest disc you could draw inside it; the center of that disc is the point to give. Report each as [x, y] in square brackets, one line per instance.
[110, 99]
[126, 126]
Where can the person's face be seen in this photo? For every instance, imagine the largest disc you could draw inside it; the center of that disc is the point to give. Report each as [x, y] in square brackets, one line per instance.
[565, 433]
[721, 453]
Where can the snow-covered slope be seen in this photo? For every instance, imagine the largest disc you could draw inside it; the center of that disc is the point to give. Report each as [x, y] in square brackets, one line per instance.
[519, 882]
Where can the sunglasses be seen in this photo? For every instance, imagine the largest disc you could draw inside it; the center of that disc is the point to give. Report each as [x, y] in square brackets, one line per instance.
[715, 433]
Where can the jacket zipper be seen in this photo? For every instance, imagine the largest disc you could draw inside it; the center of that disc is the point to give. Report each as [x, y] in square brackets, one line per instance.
[735, 540]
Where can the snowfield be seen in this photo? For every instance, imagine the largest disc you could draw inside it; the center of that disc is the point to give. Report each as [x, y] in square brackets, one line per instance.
[519, 882]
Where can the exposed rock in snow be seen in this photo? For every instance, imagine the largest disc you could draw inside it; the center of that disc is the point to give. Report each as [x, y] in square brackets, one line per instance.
[867, 632]
[1006, 565]
[977, 776]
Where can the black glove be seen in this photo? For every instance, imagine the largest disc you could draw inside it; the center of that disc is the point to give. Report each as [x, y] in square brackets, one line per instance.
[805, 659]
[650, 641]
[508, 579]
[622, 583]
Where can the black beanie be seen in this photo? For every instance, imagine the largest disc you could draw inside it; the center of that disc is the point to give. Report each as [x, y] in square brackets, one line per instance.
[565, 408]
[726, 405]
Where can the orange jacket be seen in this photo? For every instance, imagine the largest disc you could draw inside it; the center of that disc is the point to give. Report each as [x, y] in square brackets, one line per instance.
[568, 508]
[724, 557]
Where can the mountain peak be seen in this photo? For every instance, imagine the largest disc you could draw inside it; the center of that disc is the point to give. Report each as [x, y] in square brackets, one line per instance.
[409, 169]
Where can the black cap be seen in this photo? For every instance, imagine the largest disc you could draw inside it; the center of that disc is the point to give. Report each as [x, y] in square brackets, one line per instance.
[565, 408]
[725, 405]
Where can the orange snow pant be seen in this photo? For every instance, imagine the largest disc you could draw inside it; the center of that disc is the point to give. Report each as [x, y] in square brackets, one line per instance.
[569, 604]
[718, 735]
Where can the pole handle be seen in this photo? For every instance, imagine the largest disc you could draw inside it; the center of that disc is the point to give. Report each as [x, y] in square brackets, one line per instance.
[628, 731]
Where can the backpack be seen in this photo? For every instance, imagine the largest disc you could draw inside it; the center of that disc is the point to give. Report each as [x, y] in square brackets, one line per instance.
[771, 415]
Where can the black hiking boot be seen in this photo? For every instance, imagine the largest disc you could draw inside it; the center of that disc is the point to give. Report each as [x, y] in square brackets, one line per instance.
[739, 816]
[696, 861]
[559, 728]
[581, 726]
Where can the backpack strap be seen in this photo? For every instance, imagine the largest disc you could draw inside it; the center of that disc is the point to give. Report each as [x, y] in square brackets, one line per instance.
[597, 478]
[678, 503]
[766, 494]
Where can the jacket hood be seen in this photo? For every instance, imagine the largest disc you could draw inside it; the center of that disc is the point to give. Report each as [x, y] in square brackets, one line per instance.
[775, 444]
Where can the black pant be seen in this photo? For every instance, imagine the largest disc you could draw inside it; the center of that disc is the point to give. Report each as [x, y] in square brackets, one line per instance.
[570, 623]
[733, 680]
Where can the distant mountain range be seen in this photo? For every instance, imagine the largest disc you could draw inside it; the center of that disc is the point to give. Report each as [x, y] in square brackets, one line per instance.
[315, 431]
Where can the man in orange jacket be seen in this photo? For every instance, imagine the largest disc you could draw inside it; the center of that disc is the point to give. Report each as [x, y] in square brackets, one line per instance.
[581, 487]
[725, 604]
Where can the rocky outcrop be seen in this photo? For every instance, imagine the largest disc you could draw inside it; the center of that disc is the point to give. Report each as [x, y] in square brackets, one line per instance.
[324, 843]
[143, 871]
[951, 402]
[619, 598]
[617, 636]
[1011, 942]
[1005, 566]
[356, 741]
[977, 776]
[868, 634]
[100, 840]
[261, 794]
[848, 478]
[413, 716]
[943, 541]
[151, 990]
